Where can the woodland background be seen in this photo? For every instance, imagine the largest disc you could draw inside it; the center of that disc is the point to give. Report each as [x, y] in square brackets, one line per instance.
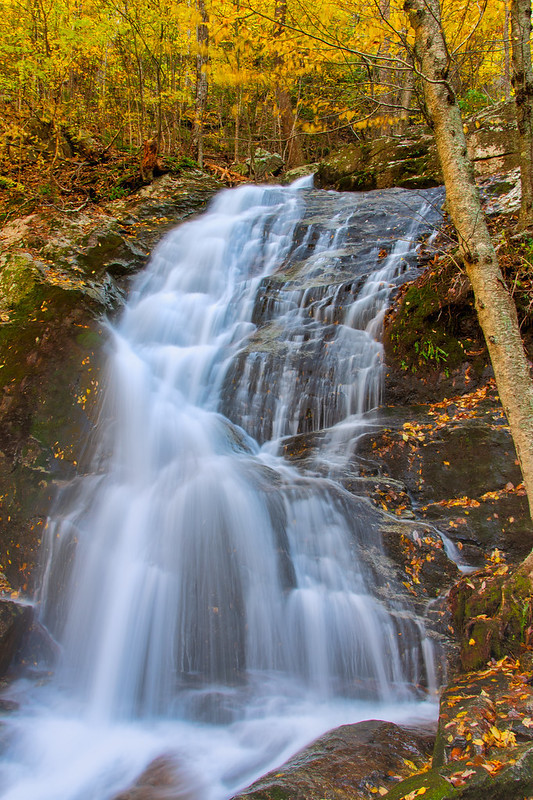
[220, 78]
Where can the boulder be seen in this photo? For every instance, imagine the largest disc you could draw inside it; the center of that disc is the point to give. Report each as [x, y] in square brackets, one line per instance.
[413, 163]
[381, 164]
[261, 165]
[350, 762]
[484, 745]
[163, 779]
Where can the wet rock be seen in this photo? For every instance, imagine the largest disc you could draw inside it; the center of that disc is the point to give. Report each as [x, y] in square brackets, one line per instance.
[477, 502]
[350, 762]
[15, 621]
[163, 779]
[421, 559]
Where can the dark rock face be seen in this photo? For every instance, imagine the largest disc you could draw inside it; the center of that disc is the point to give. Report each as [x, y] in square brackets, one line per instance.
[349, 762]
[478, 502]
[15, 622]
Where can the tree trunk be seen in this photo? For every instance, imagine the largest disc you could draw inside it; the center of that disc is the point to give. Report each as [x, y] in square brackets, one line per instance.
[495, 307]
[522, 81]
[202, 39]
[293, 155]
[507, 51]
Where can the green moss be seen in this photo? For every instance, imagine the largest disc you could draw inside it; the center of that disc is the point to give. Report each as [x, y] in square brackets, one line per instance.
[437, 787]
[89, 339]
[360, 180]
[486, 602]
[425, 330]
[491, 616]
[17, 279]
[41, 305]
[482, 642]
[272, 792]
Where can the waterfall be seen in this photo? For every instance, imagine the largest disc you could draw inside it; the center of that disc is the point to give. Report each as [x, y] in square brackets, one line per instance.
[208, 597]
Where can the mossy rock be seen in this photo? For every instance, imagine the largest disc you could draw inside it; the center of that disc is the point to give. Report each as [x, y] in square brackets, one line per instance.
[431, 328]
[349, 762]
[513, 782]
[18, 276]
[380, 164]
[436, 787]
[492, 614]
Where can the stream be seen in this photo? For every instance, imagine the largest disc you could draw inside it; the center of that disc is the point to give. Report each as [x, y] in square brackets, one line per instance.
[212, 602]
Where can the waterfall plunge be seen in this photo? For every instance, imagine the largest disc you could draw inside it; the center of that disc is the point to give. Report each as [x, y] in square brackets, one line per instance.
[208, 598]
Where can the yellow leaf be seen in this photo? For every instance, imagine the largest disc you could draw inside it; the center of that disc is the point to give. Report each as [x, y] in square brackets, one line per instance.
[471, 642]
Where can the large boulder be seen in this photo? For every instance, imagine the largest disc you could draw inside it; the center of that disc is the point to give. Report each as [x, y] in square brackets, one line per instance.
[350, 762]
[413, 163]
[381, 164]
[163, 779]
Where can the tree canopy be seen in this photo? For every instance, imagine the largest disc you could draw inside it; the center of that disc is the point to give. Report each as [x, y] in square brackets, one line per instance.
[131, 69]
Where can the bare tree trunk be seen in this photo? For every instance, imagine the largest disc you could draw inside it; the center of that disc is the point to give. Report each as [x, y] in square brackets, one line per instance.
[294, 156]
[495, 308]
[407, 80]
[507, 51]
[522, 81]
[202, 39]
[237, 127]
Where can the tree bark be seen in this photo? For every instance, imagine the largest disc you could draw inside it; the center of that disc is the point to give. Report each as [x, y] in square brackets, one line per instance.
[294, 156]
[202, 40]
[495, 307]
[522, 81]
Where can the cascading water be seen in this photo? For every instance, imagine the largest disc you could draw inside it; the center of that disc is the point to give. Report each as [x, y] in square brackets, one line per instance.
[208, 598]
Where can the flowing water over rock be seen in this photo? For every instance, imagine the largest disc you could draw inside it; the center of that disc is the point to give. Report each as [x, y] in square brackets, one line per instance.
[211, 601]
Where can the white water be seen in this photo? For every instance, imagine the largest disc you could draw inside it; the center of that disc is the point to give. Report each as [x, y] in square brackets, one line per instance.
[209, 600]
